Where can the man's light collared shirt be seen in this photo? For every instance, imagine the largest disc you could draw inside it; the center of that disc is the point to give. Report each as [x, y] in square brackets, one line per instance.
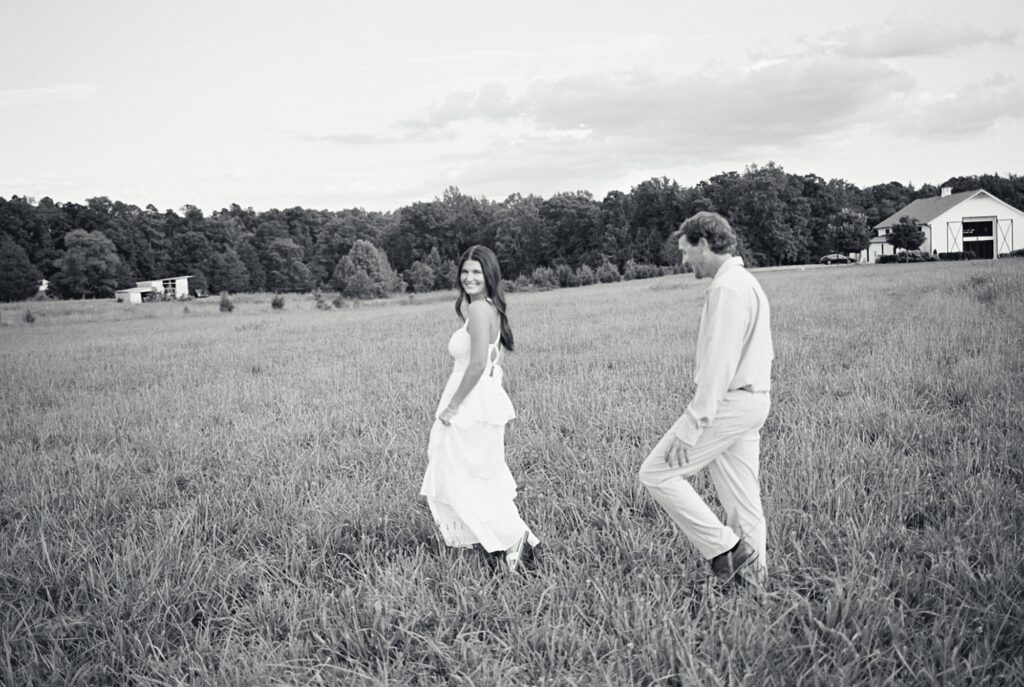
[734, 347]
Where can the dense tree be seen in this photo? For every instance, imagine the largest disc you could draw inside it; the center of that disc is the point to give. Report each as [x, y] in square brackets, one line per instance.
[883, 200]
[250, 258]
[228, 272]
[846, 232]
[366, 273]
[338, 234]
[443, 270]
[658, 206]
[616, 239]
[521, 241]
[419, 228]
[780, 218]
[906, 234]
[19, 278]
[573, 221]
[89, 266]
[285, 269]
[1009, 189]
[420, 277]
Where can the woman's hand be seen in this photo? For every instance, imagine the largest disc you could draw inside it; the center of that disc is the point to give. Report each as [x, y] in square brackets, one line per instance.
[446, 416]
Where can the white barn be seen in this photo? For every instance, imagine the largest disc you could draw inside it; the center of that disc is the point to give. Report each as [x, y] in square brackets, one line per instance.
[973, 221]
[171, 287]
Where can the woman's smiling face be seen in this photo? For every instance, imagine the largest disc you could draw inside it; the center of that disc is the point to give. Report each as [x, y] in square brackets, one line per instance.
[472, 279]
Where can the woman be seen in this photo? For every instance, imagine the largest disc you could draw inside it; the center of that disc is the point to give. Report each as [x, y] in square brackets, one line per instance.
[468, 486]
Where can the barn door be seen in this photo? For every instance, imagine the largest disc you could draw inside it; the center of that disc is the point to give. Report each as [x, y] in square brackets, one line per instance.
[954, 232]
[1005, 236]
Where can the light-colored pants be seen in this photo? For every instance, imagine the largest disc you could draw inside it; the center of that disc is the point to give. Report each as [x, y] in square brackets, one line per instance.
[729, 449]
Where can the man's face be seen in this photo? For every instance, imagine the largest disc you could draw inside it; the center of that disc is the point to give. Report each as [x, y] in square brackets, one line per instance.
[694, 255]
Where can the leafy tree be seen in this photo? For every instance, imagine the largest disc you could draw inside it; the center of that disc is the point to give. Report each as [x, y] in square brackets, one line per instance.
[906, 234]
[565, 274]
[417, 229]
[285, 269]
[847, 232]
[420, 277]
[521, 241]
[442, 269]
[89, 266]
[882, 200]
[573, 223]
[359, 284]
[608, 272]
[228, 272]
[659, 205]
[249, 256]
[544, 278]
[336, 236]
[616, 243]
[19, 278]
[366, 273]
[585, 275]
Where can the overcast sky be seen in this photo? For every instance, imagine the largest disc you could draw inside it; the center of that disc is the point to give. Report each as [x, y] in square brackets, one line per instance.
[379, 104]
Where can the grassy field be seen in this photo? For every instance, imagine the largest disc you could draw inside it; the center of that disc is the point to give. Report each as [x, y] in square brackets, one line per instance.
[206, 498]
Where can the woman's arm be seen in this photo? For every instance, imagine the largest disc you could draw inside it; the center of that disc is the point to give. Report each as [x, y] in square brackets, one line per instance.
[479, 327]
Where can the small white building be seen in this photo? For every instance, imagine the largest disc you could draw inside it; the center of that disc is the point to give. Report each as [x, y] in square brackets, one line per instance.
[171, 287]
[973, 221]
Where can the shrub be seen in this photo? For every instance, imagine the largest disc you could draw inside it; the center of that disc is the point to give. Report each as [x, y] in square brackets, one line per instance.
[420, 276]
[566, 277]
[29, 317]
[225, 303]
[608, 272]
[508, 286]
[523, 283]
[958, 255]
[277, 302]
[544, 278]
[1019, 253]
[585, 275]
[640, 270]
[883, 259]
[321, 301]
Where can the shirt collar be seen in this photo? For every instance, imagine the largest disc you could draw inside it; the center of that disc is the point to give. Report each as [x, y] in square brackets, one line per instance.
[734, 261]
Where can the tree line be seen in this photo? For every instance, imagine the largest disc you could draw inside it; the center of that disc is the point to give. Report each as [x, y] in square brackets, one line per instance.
[93, 249]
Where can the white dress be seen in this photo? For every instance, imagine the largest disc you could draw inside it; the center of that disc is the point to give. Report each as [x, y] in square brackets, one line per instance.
[468, 485]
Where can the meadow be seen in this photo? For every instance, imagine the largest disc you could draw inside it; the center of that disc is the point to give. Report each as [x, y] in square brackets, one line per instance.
[207, 498]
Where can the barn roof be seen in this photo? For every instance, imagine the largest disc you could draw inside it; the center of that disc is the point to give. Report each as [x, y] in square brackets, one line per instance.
[924, 210]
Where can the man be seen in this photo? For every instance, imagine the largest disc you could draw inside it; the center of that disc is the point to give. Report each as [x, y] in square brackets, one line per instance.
[720, 429]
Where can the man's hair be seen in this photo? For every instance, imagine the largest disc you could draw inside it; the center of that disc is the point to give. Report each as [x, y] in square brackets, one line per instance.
[711, 226]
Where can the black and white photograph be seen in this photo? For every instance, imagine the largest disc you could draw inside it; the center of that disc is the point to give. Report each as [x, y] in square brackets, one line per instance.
[468, 342]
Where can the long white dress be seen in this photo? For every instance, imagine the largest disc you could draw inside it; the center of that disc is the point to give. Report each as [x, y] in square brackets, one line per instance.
[468, 485]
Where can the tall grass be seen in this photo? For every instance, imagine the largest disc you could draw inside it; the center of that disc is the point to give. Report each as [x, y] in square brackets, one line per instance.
[233, 500]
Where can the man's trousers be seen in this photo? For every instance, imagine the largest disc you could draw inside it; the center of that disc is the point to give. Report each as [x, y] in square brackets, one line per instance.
[729, 449]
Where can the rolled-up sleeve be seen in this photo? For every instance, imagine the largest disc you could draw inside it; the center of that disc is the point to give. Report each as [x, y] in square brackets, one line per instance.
[718, 359]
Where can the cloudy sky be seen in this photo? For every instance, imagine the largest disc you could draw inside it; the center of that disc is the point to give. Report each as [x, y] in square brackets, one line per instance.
[378, 104]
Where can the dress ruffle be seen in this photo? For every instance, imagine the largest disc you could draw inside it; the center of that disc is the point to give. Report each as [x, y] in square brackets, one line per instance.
[488, 402]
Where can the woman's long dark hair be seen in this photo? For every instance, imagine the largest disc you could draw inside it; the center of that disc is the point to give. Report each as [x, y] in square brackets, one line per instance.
[492, 281]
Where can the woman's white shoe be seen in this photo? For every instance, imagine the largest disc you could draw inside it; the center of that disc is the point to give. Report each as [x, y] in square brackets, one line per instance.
[514, 555]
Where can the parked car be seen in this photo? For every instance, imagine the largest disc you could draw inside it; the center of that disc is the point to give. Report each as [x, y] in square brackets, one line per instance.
[835, 259]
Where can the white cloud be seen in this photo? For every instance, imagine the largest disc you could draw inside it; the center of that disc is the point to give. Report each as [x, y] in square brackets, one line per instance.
[914, 37]
[40, 96]
[975, 108]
